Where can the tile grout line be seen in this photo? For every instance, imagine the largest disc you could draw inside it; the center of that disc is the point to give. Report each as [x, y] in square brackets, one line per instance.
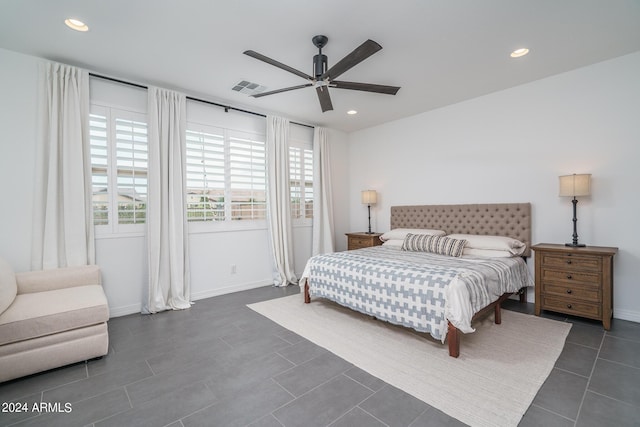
[554, 413]
[571, 372]
[357, 406]
[215, 402]
[284, 389]
[117, 413]
[365, 386]
[614, 399]
[272, 413]
[586, 388]
[429, 407]
[314, 388]
[615, 362]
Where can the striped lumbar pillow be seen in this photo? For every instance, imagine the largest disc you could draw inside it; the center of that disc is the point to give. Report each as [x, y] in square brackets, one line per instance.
[441, 245]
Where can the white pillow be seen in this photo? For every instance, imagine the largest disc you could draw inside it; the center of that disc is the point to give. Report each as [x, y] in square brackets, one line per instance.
[396, 243]
[401, 233]
[500, 243]
[487, 253]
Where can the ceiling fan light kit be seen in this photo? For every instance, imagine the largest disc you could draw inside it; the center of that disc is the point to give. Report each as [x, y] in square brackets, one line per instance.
[323, 77]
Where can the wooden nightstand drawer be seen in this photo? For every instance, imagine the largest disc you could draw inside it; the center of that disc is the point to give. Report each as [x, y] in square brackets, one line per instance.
[573, 292]
[571, 276]
[573, 307]
[362, 240]
[359, 242]
[572, 262]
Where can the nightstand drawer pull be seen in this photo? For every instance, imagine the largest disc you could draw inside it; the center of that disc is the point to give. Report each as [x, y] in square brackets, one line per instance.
[569, 276]
[568, 261]
[568, 305]
[568, 291]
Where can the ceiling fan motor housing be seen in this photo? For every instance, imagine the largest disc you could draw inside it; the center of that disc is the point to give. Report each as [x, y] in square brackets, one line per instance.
[320, 60]
[319, 65]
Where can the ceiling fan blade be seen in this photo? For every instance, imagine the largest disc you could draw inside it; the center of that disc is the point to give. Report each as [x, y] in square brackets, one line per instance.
[367, 87]
[286, 89]
[325, 99]
[359, 54]
[275, 63]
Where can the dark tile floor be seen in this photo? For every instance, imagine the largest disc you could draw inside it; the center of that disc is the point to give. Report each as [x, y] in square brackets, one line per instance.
[221, 364]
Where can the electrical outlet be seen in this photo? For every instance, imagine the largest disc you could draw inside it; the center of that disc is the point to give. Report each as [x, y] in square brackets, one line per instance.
[233, 269]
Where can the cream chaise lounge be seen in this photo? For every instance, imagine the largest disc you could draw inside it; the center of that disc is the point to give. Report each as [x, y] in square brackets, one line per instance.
[50, 318]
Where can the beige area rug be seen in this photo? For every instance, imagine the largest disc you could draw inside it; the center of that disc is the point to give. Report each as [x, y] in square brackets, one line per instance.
[492, 383]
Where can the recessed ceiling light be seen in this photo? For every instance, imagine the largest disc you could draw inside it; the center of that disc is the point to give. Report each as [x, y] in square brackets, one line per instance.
[519, 52]
[76, 24]
[352, 112]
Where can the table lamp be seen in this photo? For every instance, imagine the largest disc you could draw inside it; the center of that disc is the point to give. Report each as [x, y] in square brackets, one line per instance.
[575, 186]
[369, 197]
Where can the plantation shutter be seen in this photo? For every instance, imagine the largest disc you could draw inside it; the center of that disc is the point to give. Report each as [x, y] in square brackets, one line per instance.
[131, 175]
[247, 181]
[205, 175]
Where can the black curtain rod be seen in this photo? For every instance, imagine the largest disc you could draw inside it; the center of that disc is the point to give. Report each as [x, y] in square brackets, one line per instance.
[226, 107]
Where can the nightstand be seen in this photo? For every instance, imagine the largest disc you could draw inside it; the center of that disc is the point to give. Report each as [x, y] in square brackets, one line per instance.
[363, 240]
[575, 281]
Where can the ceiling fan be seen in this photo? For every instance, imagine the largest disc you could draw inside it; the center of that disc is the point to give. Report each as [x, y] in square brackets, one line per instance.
[323, 78]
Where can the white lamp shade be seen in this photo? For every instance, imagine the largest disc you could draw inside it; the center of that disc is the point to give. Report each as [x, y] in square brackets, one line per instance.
[575, 185]
[369, 197]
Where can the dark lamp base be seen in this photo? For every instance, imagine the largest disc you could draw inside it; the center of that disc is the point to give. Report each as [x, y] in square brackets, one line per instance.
[575, 245]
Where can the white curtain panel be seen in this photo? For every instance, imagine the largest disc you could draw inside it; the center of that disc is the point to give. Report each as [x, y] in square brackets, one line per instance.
[63, 215]
[169, 280]
[322, 239]
[279, 200]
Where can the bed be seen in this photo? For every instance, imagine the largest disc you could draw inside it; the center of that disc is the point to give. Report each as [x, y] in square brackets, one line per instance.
[430, 292]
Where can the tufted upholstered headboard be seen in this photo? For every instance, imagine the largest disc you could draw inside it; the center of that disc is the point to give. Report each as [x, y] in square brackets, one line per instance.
[499, 219]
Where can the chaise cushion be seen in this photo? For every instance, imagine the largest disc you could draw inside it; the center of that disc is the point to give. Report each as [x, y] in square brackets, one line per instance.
[57, 278]
[39, 314]
[8, 287]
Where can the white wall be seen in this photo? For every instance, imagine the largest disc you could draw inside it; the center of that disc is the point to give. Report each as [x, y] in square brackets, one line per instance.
[18, 107]
[511, 146]
[123, 259]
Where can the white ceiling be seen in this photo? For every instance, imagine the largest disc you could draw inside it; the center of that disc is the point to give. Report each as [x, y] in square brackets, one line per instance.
[439, 51]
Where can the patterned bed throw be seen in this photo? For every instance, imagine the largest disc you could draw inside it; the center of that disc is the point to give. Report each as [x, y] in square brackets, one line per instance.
[419, 290]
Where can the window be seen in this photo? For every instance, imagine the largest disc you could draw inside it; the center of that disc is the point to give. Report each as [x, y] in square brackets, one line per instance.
[205, 175]
[119, 161]
[301, 181]
[226, 175]
[247, 177]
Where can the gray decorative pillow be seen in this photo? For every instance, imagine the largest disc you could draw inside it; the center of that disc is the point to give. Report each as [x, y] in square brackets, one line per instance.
[441, 245]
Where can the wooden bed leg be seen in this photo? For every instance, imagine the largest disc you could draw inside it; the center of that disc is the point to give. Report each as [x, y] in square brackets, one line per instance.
[454, 341]
[307, 298]
[523, 295]
[498, 314]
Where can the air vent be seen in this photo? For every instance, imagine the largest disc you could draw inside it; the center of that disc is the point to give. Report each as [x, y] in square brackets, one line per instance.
[248, 88]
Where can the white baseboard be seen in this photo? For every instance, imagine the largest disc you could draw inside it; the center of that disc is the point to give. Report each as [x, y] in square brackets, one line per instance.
[124, 310]
[136, 308]
[229, 289]
[630, 315]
